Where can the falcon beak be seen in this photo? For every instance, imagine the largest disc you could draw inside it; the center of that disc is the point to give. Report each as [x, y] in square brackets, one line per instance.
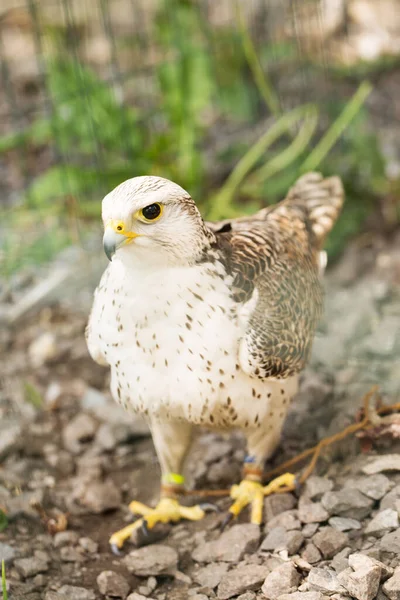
[114, 239]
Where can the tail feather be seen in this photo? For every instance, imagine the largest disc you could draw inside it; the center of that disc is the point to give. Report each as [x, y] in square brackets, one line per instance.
[321, 198]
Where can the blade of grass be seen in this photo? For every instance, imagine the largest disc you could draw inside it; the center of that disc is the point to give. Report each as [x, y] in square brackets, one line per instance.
[221, 202]
[261, 79]
[337, 128]
[287, 156]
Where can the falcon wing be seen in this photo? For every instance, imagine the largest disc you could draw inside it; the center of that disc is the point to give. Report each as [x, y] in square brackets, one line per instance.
[274, 258]
[92, 331]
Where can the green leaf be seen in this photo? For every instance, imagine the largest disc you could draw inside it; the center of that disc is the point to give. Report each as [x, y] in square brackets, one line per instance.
[33, 396]
[3, 520]
[3, 579]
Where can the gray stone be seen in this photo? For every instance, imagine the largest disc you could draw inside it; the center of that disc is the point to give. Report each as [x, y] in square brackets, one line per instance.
[347, 503]
[383, 522]
[311, 554]
[391, 542]
[387, 462]
[359, 560]
[280, 539]
[288, 519]
[363, 583]
[312, 512]
[391, 587]
[113, 585]
[344, 523]
[340, 561]
[241, 579]
[374, 486]
[303, 596]
[282, 580]
[155, 559]
[324, 580]
[65, 538]
[78, 432]
[73, 592]
[71, 554]
[88, 545]
[211, 575]
[309, 529]
[247, 596]
[10, 437]
[7, 553]
[100, 496]
[230, 546]
[27, 567]
[330, 541]
[136, 596]
[391, 498]
[278, 503]
[315, 487]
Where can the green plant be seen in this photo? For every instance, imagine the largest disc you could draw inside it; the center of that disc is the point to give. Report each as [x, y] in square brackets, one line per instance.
[3, 580]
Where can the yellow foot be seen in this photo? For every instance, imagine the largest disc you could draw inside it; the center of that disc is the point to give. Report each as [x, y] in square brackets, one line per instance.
[168, 510]
[253, 492]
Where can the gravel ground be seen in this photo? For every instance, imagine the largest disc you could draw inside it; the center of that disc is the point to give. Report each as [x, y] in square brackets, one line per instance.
[69, 456]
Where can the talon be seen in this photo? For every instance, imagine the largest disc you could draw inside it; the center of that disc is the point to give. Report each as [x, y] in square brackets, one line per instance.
[145, 528]
[115, 550]
[209, 507]
[227, 520]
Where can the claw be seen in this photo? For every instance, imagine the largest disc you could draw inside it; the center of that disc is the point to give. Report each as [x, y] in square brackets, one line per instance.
[228, 519]
[209, 507]
[145, 528]
[115, 550]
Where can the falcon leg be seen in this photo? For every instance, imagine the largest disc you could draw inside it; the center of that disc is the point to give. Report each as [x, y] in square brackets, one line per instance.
[171, 441]
[250, 490]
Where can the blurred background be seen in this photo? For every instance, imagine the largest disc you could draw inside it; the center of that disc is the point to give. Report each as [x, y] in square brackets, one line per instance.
[233, 100]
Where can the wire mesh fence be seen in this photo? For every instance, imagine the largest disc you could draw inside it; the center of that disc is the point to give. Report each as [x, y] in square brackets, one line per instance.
[96, 91]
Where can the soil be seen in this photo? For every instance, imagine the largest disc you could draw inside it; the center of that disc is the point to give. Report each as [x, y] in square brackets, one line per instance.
[72, 460]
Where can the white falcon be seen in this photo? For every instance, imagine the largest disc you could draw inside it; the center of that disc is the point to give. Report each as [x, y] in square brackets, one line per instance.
[209, 323]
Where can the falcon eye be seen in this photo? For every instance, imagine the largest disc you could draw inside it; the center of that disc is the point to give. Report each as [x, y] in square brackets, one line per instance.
[151, 212]
[119, 227]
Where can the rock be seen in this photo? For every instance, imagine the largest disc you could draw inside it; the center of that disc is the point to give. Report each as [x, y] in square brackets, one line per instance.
[100, 496]
[309, 529]
[10, 437]
[7, 553]
[71, 554]
[324, 580]
[280, 539]
[287, 519]
[42, 349]
[282, 580]
[241, 579]
[391, 499]
[211, 575]
[383, 522]
[391, 542]
[113, 584]
[27, 567]
[155, 559]
[315, 487]
[311, 554]
[78, 432]
[88, 545]
[73, 592]
[278, 503]
[363, 583]
[347, 503]
[344, 523]
[392, 586]
[230, 546]
[330, 541]
[387, 462]
[303, 596]
[340, 561]
[312, 512]
[359, 560]
[136, 596]
[247, 596]
[65, 538]
[374, 487]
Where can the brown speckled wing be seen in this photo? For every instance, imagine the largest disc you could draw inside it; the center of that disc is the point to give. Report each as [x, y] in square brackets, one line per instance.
[274, 259]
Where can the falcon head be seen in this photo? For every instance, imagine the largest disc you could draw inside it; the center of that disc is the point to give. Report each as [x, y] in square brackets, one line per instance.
[151, 218]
